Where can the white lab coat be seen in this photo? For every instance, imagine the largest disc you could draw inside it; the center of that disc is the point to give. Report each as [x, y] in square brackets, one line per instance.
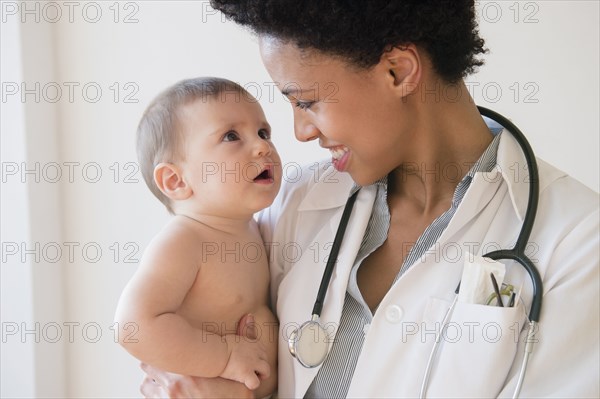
[483, 345]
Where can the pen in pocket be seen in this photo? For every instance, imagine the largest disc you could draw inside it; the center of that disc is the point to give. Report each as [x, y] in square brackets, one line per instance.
[497, 291]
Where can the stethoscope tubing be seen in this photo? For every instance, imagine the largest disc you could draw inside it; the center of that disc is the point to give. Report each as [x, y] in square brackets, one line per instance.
[517, 253]
[337, 243]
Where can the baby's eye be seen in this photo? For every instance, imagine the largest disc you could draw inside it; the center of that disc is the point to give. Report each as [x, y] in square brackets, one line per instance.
[304, 105]
[264, 134]
[231, 136]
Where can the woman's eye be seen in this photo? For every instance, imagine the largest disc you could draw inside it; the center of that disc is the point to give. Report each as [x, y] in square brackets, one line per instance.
[231, 136]
[304, 105]
[264, 134]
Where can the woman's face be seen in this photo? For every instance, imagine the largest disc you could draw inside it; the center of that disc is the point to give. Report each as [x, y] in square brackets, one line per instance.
[353, 113]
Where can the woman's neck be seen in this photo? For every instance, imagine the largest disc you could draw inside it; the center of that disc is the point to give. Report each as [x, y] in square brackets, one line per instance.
[451, 138]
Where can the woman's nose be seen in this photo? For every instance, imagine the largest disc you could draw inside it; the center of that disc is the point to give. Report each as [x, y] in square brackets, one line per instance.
[304, 129]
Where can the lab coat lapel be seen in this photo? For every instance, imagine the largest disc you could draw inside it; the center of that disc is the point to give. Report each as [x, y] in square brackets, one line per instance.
[347, 255]
[481, 191]
[334, 300]
[509, 172]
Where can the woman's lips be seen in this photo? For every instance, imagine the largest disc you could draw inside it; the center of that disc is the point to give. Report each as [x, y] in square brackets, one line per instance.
[340, 157]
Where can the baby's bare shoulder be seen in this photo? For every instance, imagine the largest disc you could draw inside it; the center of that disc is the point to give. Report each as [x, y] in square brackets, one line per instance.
[176, 243]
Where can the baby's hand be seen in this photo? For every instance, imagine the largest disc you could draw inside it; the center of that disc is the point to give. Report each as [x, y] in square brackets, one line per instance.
[247, 361]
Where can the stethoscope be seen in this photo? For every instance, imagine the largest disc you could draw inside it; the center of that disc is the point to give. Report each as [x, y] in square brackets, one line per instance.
[309, 343]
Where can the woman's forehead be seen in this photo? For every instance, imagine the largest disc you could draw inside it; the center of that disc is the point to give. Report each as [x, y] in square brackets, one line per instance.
[286, 62]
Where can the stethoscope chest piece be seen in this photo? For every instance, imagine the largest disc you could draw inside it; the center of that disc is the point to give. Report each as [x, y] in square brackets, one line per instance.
[309, 343]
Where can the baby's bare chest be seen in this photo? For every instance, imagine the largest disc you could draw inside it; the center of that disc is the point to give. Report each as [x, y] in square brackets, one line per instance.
[233, 280]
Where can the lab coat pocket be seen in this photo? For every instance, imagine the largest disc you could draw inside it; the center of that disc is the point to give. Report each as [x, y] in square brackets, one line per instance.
[477, 348]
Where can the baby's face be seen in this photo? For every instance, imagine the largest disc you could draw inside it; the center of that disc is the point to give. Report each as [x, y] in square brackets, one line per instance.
[230, 161]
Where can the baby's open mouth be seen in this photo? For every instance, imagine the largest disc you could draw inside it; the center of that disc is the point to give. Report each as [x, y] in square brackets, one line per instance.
[266, 174]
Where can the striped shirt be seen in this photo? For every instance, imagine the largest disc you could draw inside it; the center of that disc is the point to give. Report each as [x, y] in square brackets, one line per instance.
[334, 378]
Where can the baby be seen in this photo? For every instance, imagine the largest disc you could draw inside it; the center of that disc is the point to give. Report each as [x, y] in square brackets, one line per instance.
[205, 151]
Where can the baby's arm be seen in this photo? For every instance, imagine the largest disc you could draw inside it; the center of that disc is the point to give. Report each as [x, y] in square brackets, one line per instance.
[167, 340]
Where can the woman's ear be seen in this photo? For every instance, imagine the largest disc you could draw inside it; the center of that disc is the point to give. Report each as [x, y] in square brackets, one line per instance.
[404, 68]
[169, 180]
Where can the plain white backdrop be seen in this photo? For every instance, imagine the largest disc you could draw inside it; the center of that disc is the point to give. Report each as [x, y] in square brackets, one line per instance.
[76, 216]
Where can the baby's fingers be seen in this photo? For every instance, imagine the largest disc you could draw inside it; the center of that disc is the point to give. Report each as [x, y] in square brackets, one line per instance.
[252, 382]
[263, 370]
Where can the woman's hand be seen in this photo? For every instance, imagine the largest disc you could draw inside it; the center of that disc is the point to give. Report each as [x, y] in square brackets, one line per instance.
[160, 384]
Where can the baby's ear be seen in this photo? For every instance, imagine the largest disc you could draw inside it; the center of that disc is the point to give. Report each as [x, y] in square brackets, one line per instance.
[170, 181]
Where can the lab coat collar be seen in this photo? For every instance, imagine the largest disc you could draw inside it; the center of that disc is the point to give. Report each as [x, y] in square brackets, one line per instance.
[331, 190]
[512, 165]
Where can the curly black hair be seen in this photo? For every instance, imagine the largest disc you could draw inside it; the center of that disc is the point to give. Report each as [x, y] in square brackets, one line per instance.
[360, 31]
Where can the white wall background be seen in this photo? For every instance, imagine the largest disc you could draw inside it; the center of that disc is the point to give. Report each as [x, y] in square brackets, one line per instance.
[76, 215]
